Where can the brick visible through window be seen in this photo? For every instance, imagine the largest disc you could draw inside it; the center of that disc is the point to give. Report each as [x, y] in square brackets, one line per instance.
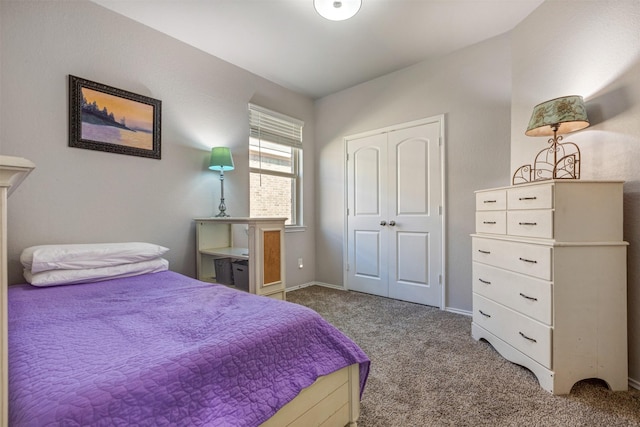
[275, 154]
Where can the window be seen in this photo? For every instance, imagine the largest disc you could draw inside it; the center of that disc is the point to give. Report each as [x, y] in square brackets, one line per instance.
[275, 159]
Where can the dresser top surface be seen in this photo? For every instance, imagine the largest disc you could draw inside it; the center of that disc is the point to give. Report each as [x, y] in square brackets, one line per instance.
[552, 181]
[240, 220]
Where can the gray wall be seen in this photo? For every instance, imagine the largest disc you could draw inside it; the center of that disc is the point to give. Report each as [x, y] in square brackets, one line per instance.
[588, 48]
[76, 195]
[472, 88]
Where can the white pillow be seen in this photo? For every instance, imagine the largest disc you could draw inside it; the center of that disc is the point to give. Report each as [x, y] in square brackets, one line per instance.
[69, 277]
[95, 255]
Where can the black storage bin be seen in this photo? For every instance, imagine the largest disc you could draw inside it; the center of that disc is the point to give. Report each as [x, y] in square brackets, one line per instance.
[224, 274]
[241, 274]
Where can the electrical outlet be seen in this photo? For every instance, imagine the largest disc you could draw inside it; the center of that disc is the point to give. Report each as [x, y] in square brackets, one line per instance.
[300, 265]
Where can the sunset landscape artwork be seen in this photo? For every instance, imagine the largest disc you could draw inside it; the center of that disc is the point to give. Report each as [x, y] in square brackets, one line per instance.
[109, 119]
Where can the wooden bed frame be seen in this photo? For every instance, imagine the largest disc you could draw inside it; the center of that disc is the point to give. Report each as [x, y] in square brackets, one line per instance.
[331, 401]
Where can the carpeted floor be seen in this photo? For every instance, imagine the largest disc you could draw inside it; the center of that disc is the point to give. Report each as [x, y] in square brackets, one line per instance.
[427, 370]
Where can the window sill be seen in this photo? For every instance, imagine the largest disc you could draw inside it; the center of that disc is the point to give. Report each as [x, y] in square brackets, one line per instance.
[294, 228]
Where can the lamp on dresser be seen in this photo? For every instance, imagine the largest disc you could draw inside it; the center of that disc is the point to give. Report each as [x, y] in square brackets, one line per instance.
[560, 160]
[221, 160]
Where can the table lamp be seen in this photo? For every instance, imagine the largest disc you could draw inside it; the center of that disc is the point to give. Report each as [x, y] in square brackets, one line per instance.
[560, 160]
[221, 160]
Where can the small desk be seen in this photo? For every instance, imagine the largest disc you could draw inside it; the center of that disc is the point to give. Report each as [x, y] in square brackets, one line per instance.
[264, 251]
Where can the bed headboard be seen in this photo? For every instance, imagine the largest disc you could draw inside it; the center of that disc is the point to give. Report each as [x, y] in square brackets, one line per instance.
[13, 170]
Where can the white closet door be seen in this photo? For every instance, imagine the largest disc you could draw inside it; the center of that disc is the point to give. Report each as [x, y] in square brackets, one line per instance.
[394, 223]
[368, 193]
[415, 241]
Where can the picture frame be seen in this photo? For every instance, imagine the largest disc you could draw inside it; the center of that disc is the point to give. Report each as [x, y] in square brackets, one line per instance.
[106, 118]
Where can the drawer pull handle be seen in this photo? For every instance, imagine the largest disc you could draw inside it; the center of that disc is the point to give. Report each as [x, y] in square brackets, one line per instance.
[528, 297]
[528, 198]
[490, 201]
[486, 282]
[484, 314]
[488, 222]
[527, 338]
[527, 223]
[484, 252]
[532, 261]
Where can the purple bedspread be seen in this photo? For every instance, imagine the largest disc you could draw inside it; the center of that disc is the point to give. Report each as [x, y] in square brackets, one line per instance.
[162, 349]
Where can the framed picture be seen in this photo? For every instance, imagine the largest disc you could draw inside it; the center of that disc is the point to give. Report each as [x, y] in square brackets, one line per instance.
[104, 118]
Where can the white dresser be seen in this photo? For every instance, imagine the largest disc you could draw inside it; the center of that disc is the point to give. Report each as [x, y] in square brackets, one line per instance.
[550, 280]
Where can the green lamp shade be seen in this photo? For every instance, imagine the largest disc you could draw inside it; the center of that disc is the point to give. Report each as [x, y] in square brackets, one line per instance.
[566, 114]
[221, 159]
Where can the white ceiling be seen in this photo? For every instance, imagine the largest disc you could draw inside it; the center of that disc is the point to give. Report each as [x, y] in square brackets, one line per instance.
[287, 42]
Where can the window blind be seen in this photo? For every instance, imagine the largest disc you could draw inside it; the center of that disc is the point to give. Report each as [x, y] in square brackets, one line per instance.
[267, 125]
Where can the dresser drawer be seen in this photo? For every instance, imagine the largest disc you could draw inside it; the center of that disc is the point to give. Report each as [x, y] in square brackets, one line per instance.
[530, 197]
[530, 223]
[491, 222]
[525, 258]
[493, 200]
[524, 294]
[530, 337]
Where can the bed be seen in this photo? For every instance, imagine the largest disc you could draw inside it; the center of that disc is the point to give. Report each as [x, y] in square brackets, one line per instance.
[158, 349]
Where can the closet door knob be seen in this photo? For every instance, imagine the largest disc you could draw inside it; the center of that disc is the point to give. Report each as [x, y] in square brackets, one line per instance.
[383, 222]
[392, 223]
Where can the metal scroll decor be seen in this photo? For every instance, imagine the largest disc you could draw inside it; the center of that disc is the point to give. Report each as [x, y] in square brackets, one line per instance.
[566, 167]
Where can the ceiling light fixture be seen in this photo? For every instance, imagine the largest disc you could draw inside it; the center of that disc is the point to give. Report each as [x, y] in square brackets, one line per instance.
[337, 10]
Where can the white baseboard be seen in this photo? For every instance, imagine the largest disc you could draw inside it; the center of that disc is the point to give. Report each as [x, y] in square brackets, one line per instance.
[306, 285]
[458, 311]
[634, 383]
[329, 285]
[302, 286]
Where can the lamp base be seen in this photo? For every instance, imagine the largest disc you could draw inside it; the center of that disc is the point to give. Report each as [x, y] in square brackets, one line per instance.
[558, 161]
[222, 208]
